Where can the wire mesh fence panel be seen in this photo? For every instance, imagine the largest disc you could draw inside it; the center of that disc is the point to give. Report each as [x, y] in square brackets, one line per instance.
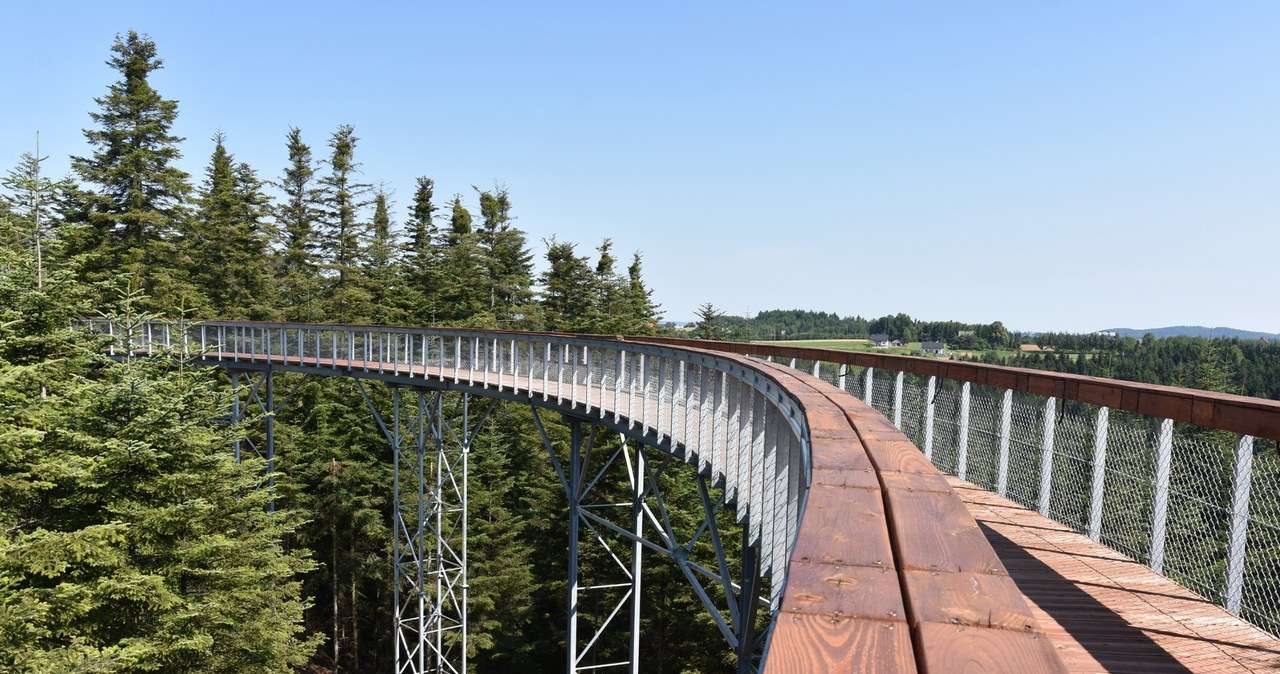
[1199, 510]
[1130, 476]
[914, 389]
[1072, 465]
[984, 436]
[855, 380]
[1026, 429]
[1260, 603]
[882, 386]
[946, 413]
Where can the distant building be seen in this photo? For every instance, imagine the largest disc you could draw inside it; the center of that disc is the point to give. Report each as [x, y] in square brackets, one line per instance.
[933, 348]
[881, 339]
[966, 333]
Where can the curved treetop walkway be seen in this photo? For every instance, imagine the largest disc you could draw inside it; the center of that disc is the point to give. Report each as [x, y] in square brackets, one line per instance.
[834, 463]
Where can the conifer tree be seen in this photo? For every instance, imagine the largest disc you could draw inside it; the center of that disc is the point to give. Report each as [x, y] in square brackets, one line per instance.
[296, 220]
[343, 234]
[138, 196]
[28, 203]
[508, 262]
[130, 539]
[642, 312]
[381, 263]
[423, 256]
[569, 298]
[225, 244]
[464, 287]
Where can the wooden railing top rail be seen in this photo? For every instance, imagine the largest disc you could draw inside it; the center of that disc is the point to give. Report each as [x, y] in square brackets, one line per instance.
[1245, 415]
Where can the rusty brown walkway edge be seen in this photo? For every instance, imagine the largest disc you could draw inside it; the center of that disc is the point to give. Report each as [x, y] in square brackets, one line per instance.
[1257, 417]
[890, 573]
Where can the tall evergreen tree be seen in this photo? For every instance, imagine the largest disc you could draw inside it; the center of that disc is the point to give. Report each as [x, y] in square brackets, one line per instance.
[381, 261]
[569, 297]
[423, 256]
[28, 200]
[642, 312]
[464, 296]
[225, 244]
[139, 194]
[508, 262]
[342, 233]
[296, 220]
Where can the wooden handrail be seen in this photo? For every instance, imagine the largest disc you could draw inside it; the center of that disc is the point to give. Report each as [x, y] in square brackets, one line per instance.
[1258, 417]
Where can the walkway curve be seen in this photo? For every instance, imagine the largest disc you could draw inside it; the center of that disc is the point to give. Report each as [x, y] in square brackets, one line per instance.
[876, 566]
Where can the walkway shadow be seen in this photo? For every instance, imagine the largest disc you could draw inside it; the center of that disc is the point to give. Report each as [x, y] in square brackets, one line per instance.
[1117, 645]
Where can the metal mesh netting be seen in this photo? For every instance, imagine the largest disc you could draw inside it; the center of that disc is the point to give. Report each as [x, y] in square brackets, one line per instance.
[1026, 430]
[984, 436]
[883, 383]
[1260, 603]
[1072, 465]
[1199, 509]
[914, 389]
[946, 425]
[1130, 480]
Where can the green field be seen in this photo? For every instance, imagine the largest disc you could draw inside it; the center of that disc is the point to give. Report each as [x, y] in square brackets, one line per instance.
[910, 348]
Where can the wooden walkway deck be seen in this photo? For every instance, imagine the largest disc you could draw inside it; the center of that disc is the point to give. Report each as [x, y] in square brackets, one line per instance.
[1107, 613]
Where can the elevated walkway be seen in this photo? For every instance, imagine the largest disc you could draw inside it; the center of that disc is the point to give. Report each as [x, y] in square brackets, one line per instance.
[1106, 613]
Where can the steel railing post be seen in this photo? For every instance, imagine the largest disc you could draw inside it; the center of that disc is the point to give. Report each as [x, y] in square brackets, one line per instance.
[962, 446]
[868, 386]
[1098, 488]
[928, 417]
[897, 398]
[1046, 454]
[1160, 502]
[844, 372]
[1006, 423]
[1237, 540]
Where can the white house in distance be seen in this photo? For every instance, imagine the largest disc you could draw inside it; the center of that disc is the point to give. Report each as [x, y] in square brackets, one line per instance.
[933, 348]
[882, 340]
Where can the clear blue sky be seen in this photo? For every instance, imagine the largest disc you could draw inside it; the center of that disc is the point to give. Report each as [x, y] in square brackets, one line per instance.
[1068, 166]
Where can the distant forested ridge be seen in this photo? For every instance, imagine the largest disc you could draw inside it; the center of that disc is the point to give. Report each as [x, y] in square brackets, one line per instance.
[1192, 331]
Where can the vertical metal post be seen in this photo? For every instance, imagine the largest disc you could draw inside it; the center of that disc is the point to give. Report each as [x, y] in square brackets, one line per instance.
[844, 373]
[962, 452]
[571, 635]
[1098, 489]
[869, 386]
[817, 369]
[1002, 463]
[270, 423]
[637, 555]
[1046, 455]
[928, 416]
[897, 398]
[462, 572]
[1237, 541]
[1160, 504]
[747, 604]
[235, 411]
[420, 444]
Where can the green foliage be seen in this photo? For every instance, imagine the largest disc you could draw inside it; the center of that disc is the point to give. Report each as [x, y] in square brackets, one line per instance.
[139, 198]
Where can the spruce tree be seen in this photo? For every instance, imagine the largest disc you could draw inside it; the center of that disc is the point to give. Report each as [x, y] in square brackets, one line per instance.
[508, 262]
[423, 257]
[464, 288]
[296, 220]
[130, 539]
[342, 233]
[642, 312]
[28, 201]
[225, 244]
[139, 194]
[569, 298]
[381, 262]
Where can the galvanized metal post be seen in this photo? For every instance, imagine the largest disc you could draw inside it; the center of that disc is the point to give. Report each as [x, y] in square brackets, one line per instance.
[575, 467]
[1237, 540]
[747, 605]
[1160, 502]
[869, 386]
[928, 417]
[962, 451]
[1098, 489]
[236, 416]
[270, 423]
[637, 556]
[897, 398]
[1046, 455]
[844, 373]
[1006, 422]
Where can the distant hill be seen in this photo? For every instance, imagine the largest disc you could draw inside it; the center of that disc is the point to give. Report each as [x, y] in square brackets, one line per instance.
[1193, 331]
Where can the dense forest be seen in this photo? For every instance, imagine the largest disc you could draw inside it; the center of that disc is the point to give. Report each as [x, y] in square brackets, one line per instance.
[130, 540]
